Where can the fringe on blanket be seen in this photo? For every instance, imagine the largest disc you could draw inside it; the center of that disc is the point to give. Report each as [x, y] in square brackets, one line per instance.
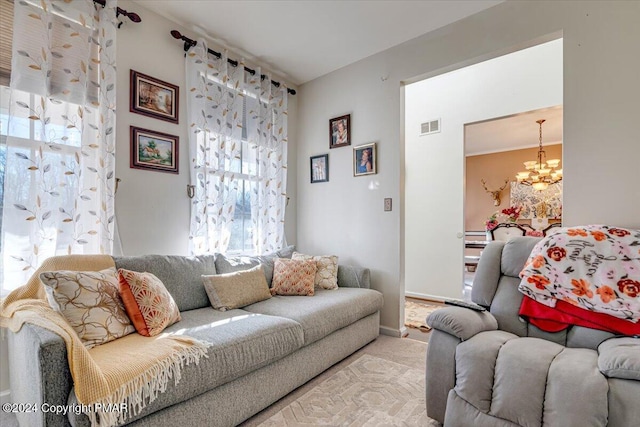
[137, 393]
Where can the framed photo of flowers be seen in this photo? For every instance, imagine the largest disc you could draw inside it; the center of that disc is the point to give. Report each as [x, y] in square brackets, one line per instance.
[340, 131]
[319, 168]
[154, 98]
[364, 159]
[153, 150]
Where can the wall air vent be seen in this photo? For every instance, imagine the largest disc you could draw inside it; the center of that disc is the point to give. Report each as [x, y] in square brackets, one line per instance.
[432, 126]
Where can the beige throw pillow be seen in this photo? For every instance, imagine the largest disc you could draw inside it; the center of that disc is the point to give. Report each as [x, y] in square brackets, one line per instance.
[327, 269]
[235, 290]
[91, 303]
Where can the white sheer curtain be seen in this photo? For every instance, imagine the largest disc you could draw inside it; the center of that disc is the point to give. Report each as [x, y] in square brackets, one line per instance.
[60, 160]
[214, 108]
[238, 149]
[267, 135]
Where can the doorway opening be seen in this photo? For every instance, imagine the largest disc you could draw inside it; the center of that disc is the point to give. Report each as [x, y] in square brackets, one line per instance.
[434, 163]
[496, 206]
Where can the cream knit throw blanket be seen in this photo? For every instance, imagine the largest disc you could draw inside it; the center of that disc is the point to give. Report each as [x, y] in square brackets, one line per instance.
[131, 370]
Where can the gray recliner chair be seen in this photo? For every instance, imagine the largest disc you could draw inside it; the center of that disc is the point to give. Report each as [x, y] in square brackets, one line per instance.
[494, 369]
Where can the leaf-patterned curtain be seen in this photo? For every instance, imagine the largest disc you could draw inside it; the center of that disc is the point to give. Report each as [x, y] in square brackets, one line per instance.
[267, 135]
[238, 147]
[214, 109]
[60, 160]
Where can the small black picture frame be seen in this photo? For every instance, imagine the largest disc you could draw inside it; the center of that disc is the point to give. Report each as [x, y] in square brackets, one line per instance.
[319, 168]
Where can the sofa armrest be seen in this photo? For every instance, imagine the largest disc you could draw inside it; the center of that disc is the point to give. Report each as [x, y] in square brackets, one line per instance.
[620, 358]
[462, 323]
[39, 373]
[350, 276]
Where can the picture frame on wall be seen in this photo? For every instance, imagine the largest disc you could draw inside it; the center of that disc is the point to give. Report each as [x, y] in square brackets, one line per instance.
[340, 131]
[153, 98]
[319, 168]
[365, 159]
[154, 151]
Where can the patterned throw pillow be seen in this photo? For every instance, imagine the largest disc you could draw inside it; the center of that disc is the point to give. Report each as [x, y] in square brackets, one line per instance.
[90, 302]
[148, 303]
[235, 290]
[327, 274]
[293, 277]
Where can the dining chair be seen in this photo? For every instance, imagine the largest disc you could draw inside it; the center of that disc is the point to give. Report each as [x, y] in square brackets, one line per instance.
[506, 230]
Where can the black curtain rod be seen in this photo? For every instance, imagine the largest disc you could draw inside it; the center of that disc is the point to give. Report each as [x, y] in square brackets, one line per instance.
[134, 17]
[189, 42]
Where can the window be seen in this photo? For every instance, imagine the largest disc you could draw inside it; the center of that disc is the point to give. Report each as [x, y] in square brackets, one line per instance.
[241, 168]
[238, 147]
[62, 152]
[56, 135]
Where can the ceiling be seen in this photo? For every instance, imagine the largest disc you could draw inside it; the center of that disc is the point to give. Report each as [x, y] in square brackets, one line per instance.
[514, 132]
[303, 40]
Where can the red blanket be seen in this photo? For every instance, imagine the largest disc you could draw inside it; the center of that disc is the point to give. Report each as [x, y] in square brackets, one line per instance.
[563, 315]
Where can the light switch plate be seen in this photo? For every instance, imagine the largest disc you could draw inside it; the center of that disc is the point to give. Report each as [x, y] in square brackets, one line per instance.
[387, 204]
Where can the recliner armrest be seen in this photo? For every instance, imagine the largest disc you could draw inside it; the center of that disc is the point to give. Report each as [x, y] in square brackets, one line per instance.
[620, 358]
[462, 323]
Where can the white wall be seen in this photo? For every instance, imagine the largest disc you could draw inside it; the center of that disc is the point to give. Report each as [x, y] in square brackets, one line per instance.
[600, 96]
[523, 81]
[152, 208]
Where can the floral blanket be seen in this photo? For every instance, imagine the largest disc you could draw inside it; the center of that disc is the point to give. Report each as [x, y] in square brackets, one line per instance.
[595, 268]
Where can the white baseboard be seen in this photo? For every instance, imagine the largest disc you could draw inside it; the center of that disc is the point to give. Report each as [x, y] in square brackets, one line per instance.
[398, 333]
[425, 296]
[5, 396]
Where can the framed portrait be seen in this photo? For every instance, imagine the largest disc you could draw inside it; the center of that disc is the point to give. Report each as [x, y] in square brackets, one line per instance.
[154, 98]
[154, 151]
[364, 159]
[340, 131]
[319, 168]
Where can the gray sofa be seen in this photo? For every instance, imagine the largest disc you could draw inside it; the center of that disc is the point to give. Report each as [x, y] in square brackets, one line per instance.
[259, 353]
[495, 369]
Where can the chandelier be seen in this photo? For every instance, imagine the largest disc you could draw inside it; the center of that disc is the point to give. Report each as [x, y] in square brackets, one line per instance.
[540, 173]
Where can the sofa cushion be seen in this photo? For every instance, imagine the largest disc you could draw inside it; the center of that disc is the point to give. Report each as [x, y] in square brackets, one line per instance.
[148, 303]
[229, 264]
[241, 342]
[181, 275]
[326, 312]
[235, 290]
[90, 302]
[350, 276]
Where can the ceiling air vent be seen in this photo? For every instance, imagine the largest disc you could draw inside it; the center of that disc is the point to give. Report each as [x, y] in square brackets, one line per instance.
[432, 126]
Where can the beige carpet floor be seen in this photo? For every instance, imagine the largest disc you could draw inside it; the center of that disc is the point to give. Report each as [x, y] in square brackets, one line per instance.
[382, 384]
